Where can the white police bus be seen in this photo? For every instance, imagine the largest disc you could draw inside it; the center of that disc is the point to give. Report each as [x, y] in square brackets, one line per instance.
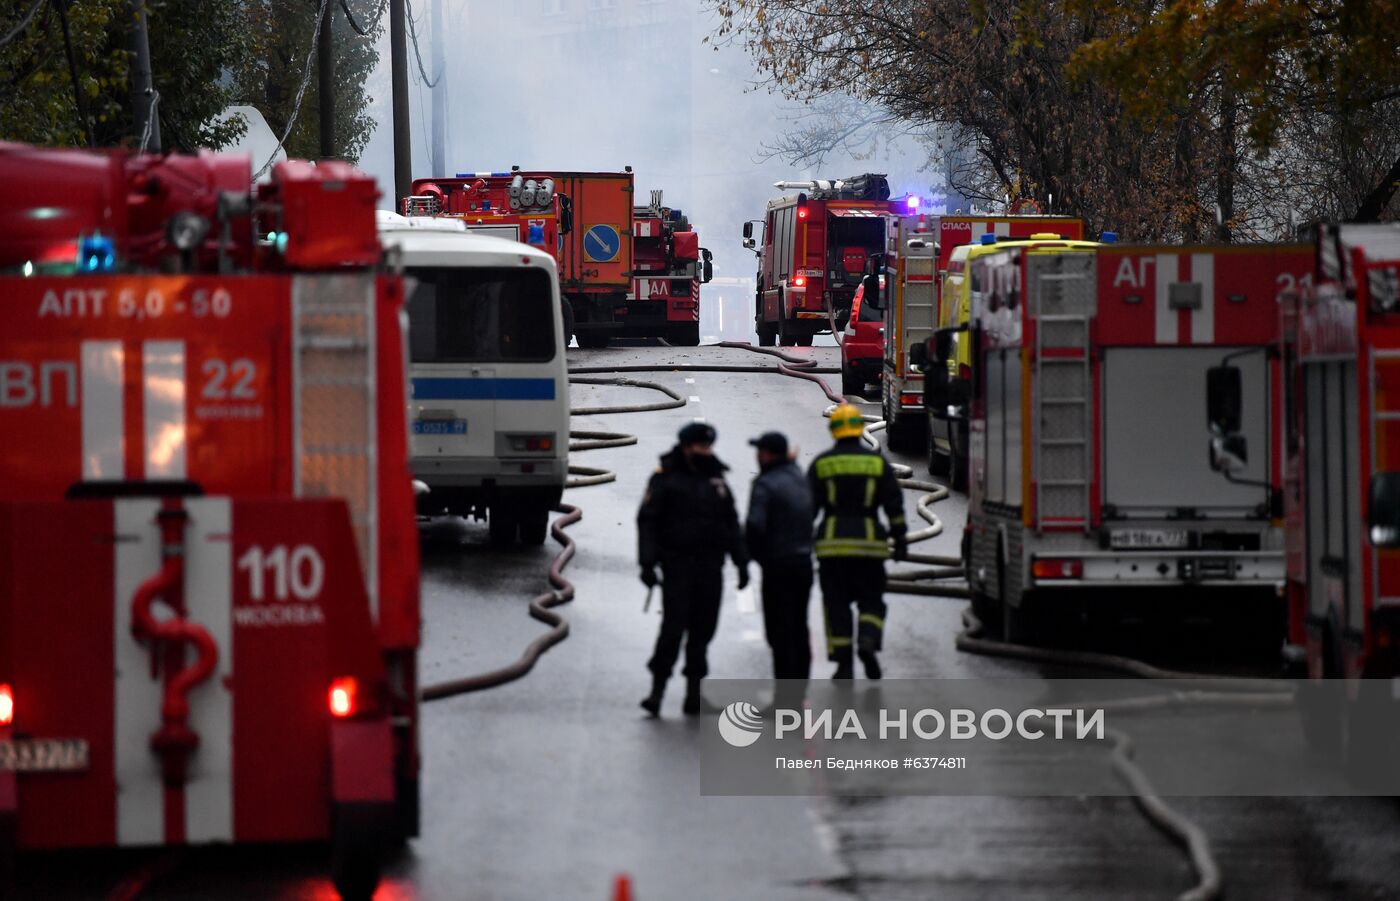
[489, 408]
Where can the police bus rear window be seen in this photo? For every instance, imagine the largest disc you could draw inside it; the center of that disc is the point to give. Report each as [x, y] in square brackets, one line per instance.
[480, 315]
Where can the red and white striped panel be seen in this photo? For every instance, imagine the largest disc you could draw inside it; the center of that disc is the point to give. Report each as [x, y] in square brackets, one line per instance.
[1237, 289]
[646, 228]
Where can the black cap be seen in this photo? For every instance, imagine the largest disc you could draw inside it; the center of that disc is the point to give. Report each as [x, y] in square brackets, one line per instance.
[696, 433]
[773, 442]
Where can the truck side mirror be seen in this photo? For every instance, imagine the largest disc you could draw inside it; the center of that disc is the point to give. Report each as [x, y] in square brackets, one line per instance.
[1229, 453]
[707, 266]
[1383, 512]
[874, 264]
[1223, 399]
[748, 231]
[918, 356]
[566, 214]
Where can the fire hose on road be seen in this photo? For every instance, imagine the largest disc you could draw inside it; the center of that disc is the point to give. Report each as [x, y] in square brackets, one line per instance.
[920, 581]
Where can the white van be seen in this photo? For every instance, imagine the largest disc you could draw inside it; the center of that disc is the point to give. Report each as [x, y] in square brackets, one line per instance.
[489, 409]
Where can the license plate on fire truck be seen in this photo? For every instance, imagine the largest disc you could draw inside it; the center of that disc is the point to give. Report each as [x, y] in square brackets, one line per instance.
[44, 755]
[1131, 539]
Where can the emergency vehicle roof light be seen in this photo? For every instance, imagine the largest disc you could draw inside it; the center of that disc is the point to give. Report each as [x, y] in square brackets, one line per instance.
[912, 202]
[987, 239]
[1108, 238]
[7, 704]
[96, 253]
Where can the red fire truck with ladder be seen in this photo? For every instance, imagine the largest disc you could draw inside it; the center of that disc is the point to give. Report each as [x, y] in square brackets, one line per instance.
[584, 218]
[1089, 477]
[670, 266]
[816, 247]
[1341, 358]
[209, 612]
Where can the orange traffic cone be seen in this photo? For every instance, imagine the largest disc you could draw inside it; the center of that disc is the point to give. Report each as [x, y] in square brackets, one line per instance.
[622, 888]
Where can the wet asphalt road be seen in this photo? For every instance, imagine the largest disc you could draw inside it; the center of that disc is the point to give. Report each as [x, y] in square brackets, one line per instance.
[549, 787]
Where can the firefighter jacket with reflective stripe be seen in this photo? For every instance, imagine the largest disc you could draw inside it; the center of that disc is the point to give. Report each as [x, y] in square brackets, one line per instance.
[688, 511]
[850, 484]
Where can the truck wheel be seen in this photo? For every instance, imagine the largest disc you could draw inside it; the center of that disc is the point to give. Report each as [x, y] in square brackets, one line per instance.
[765, 336]
[958, 462]
[502, 522]
[9, 850]
[938, 464]
[685, 336]
[355, 854]
[534, 526]
[592, 340]
[803, 340]
[850, 382]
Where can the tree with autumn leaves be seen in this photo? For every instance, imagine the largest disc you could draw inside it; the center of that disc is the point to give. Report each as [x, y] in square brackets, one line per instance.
[1166, 119]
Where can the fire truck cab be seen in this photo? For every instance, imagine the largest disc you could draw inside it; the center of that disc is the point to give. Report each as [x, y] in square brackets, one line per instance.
[489, 410]
[670, 266]
[1088, 423]
[209, 588]
[817, 244]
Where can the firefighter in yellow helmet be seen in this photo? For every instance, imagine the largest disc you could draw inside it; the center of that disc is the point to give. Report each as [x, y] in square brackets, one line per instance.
[851, 483]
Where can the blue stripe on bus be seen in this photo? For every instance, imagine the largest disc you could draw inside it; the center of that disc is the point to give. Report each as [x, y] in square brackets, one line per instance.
[483, 389]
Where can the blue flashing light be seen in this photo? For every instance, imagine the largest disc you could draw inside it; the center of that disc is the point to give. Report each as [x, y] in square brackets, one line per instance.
[485, 205]
[988, 239]
[281, 242]
[536, 234]
[912, 202]
[96, 253]
[1108, 238]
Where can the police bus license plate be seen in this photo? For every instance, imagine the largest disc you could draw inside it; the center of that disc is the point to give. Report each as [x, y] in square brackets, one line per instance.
[1129, 539]
[44, 755]
[440, 427]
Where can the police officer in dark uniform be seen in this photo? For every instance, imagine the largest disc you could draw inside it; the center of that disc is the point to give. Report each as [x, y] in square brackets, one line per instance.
[687, 525]
[850, 485]
[778, 530]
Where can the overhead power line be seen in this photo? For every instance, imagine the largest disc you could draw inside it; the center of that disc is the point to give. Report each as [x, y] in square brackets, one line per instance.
[413, 33]
[301, 91]
[363, 32]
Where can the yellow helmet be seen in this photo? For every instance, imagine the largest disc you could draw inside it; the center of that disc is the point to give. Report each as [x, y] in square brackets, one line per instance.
[847, 421]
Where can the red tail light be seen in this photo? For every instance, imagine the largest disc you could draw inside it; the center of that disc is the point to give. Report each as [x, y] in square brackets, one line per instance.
[7, 704]
[965, 372]
[343, 700]
[1048, 569]
[799, 281]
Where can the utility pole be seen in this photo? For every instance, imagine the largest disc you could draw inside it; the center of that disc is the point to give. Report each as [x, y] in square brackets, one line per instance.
[325, 81]
[439, 95]
[398, 66]
[143, 95]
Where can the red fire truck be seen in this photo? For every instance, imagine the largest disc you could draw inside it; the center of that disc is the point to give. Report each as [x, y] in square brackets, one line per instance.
[816, 246]
[1088, 429]
[670, 266]
[1341, 356]
[208, 556]
[584, 217]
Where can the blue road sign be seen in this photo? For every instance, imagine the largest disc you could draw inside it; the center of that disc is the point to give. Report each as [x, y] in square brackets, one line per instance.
[601, 244]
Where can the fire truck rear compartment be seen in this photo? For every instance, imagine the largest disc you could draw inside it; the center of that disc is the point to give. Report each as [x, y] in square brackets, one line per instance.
[1155, 436]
